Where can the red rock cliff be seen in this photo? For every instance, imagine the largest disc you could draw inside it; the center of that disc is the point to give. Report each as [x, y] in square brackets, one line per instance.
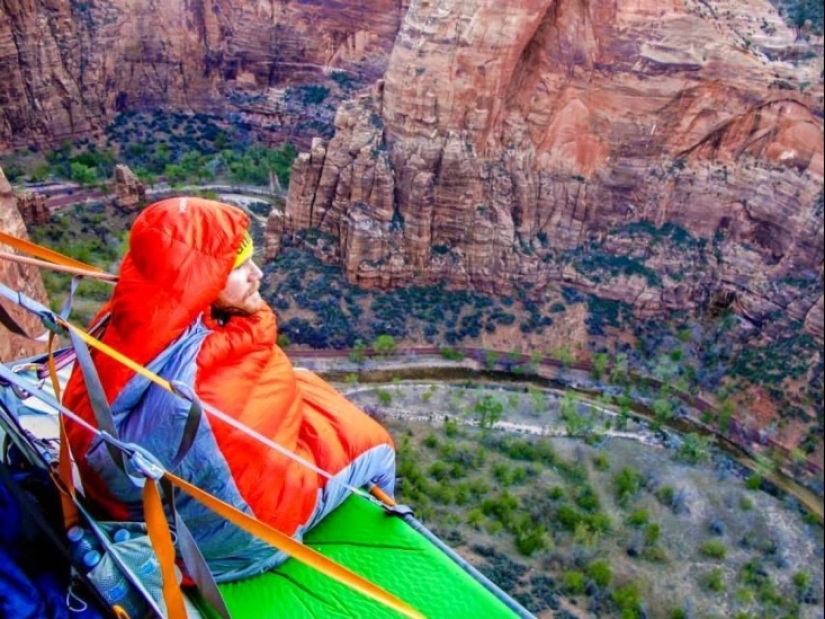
[510, 140]
[66, 67]
[25, 279]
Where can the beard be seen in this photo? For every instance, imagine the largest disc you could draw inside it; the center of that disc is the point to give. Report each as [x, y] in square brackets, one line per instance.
[248, 305]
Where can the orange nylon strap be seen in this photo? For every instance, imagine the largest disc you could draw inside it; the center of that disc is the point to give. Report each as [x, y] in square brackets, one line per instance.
[66, 485]
[161, 539]
[64, 462]
[296, 549]
[46, 254]
[85, 272]
[382, 496]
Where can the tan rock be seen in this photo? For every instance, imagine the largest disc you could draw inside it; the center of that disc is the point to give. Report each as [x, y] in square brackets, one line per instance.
[66, 70]
[814, 320]
[130, 192]
[32, 208]
[21, 278]
[510, 133]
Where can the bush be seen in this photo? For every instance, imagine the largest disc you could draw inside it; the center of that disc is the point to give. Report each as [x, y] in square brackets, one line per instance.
[600, 573]
[714, 580]
[638, 518]
[626, 484]
[574, 582]
[713, 549]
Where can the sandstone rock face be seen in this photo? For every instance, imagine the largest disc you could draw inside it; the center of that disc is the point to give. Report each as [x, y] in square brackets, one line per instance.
[815, 318]
[520, 142]
[66, 68]
[32, 207]
[130, 192]
[23, 278]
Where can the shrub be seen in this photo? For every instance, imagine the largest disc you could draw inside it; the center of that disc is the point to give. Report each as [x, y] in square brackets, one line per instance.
[601, 462]
[638, 518]
[574, 582]
[714, 580]
[626, 484]
[600, 573]
[713, 549]
[754, 482]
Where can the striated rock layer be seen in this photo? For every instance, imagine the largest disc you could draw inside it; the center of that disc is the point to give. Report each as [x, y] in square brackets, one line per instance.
[66, 68]
[22, 278]
[32, 208]
[514, 142]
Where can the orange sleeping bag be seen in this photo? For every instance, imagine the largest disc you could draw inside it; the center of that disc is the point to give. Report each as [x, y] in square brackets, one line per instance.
[181, 253]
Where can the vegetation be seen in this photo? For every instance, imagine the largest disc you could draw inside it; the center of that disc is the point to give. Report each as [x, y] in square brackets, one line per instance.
[798, 12]
[538, 516]
[178, 147]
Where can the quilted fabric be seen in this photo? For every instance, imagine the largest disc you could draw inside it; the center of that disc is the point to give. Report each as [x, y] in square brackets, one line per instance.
[383, 549]
[181, 252]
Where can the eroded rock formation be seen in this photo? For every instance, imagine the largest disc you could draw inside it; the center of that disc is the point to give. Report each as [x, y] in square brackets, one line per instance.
[541, 141]
[130, 192]
[504, 143]
[23, 278]
[32, 208]
[66, 68]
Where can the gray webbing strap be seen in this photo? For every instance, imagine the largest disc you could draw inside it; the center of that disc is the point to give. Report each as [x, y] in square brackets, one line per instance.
[97, 397]
[193, 558]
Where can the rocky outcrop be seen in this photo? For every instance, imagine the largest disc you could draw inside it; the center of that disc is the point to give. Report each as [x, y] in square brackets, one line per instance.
[32, 207]
[649, 152]
[23, 278]
[130, 192]
[815, 318]
[66, 68]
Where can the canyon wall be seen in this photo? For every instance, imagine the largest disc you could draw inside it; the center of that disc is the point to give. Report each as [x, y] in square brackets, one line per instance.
[22, 278]
[663, 153]
[66, 68]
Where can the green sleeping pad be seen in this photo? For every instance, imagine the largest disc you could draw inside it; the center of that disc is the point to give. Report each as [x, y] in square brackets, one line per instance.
[381, 548]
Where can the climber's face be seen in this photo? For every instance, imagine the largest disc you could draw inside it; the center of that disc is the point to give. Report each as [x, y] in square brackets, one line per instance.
[240, 294]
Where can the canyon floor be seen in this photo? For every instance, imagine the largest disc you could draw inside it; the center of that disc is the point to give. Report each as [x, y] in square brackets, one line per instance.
[722, 549]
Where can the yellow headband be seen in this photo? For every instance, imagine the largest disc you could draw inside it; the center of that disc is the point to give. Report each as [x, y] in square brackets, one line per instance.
[244, 251]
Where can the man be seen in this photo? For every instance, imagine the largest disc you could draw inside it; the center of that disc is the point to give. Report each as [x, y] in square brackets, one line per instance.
[187, 306]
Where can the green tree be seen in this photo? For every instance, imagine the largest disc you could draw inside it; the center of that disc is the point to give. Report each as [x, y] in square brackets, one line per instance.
[384, 397]
[713, 549]
[575, 423]
[695, 448]
[629, 600]
[358, 353]
[488, 411]
[599, 361]
[83, 174]
[384, 345]
[600, 573]
[539, 399]
[563, 355]
[725, 415]
[574, 582]
[626, 484]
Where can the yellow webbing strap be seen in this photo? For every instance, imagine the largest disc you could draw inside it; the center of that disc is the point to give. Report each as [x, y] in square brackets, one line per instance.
[295, 549]
[132, 365]
[43, 252]
[161, 538]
